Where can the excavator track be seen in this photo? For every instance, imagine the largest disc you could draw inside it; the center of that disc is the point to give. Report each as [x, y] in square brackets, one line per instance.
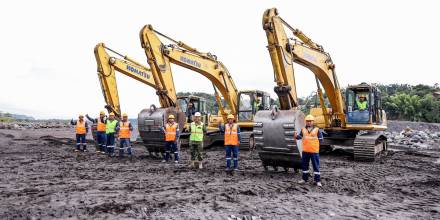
[369, 146]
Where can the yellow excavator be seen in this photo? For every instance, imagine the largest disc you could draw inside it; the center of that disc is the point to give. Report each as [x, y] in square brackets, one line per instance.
[162, 83]
[343, 122]
[242, 104]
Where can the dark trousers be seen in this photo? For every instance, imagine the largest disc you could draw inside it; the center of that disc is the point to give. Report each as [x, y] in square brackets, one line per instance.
[110, 143]
[171, 146]
[124, 143]
[305, 160]
[196, 148]
[81, 139]
[101, 138]
[231, 149]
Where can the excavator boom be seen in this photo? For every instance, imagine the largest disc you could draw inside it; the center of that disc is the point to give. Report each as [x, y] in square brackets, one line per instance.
[159, 57]
[107, 67]
[302, 50]
[242, 105]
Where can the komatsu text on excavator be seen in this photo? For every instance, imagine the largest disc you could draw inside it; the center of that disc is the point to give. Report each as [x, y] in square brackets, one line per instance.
[344, 122]
[163, 84]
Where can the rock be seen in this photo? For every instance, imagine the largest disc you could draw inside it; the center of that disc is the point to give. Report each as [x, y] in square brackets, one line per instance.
[415, 138]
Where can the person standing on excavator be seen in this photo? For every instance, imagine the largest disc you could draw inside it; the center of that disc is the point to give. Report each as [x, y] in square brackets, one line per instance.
[81, 130]
[232, 141]
[171, 130]
[190, 111]
[197, 130]
[100, 131]
[311, 139]
[124, 128]
[110, 131]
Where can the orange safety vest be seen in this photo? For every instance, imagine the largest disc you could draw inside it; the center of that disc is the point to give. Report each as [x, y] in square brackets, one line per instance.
[80, 127]
[170, 132]
[124, 130]
[231, 135]
[310, 141]
[101, 126]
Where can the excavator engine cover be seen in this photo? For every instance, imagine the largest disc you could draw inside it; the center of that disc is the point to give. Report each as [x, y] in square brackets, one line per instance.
[274, 141]
[150, 122]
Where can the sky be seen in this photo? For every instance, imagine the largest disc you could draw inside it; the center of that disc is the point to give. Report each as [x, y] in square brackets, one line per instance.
[48, 69]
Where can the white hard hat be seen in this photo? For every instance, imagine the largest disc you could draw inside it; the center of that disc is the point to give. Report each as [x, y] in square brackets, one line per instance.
[197, 114]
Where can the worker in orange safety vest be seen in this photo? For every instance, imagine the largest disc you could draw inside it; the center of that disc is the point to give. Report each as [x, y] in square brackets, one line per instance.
[171, 130]
[232, 141]
[124, 129]
[81, 129]
[311, 137]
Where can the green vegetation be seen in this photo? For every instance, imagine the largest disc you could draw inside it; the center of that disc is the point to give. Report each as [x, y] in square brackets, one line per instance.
[413, 103]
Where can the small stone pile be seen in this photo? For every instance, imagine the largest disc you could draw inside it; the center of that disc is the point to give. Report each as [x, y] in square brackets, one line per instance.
[33, 125]
[419, 139]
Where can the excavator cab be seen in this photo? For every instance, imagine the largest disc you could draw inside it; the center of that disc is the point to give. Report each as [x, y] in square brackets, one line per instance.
[250, 102]
[363, 104]
[198, 103]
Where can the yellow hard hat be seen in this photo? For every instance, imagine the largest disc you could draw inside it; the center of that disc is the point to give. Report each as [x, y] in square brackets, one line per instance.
[170, 116]
[230, 116]
[124, 115]
[362, 96]
[102, 112]
[310, 118]
[112, 114]
[81, 116]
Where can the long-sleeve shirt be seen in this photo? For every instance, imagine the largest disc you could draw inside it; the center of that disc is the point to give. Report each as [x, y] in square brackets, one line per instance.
[222, 130]
[177, 131]
[72, 122]
[320, 135]
[118, 127]
[95, 120]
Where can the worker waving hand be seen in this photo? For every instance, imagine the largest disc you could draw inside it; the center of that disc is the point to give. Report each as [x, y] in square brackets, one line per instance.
[100, 131]
[311, 139]
[81, 129]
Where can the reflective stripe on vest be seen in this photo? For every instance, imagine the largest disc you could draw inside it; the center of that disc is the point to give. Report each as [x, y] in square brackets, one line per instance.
[231, 135]
[124, 130]
[101, 126]
[196, 132]
[310, 141]
[361, 105]
[80, 127]
[170, 132]
[110, 126]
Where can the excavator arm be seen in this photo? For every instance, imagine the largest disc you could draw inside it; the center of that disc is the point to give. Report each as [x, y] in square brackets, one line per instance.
[304, 51]
[107, 67]
[159, 57]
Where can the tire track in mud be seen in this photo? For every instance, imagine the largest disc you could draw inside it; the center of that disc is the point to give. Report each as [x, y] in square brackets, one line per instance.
[45, 179]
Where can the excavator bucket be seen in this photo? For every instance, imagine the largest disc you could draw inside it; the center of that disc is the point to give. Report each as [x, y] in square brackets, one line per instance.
[274, 141]
[150, 122]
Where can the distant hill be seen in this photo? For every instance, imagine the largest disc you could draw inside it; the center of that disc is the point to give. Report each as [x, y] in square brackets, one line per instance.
[15, 116]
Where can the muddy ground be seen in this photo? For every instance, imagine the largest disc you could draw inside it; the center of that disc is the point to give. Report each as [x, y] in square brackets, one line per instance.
[42, 178]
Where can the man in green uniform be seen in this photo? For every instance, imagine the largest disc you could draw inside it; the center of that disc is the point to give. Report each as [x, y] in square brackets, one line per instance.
[197, 130]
